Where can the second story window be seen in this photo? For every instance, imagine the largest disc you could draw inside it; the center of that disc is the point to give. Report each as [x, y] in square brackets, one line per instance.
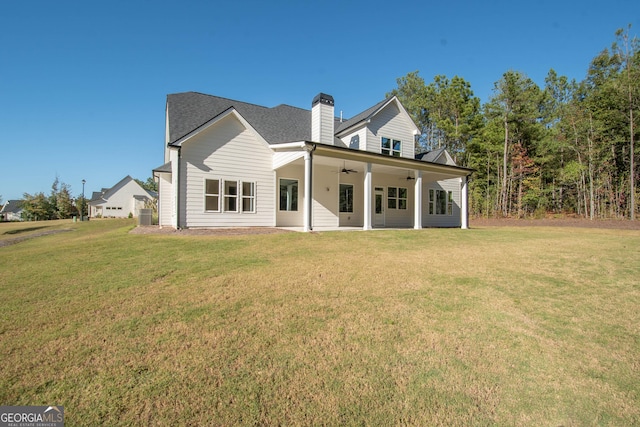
[390, 147]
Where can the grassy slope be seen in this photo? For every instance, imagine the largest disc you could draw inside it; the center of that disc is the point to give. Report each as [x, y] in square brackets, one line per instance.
[491, 326]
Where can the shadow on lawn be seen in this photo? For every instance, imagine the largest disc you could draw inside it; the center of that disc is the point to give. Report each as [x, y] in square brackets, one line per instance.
[8, 242]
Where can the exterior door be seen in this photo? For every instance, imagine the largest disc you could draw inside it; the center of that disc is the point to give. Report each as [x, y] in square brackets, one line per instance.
[378, 206]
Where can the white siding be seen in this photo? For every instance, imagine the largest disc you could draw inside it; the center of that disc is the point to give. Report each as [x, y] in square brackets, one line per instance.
[322, 123]
[226, 151]
[325, 196]
[285, 157]
[395, 217]
[452, 220]
[176, 183]
[293, 218]
[390, 123]
[356, 140]
[165, 192]
[355, 218]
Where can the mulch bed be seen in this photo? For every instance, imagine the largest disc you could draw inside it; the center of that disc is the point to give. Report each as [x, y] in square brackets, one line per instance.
[237, 231]
[473, 222]
[623, 224]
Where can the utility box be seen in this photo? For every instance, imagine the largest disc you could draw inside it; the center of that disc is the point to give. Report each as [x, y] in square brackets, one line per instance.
[145, 217]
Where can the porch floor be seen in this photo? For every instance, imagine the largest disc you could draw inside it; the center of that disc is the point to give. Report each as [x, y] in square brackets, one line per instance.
[323, 229]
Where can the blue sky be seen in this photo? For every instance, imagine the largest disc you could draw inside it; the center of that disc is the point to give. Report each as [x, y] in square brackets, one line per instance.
[83, 84]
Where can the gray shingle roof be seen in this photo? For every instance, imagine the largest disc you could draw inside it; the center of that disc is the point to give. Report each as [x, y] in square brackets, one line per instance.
[13, 206]
[189, 111]
[97, 195]
[430, 156]
[360, 117]
[164, 168]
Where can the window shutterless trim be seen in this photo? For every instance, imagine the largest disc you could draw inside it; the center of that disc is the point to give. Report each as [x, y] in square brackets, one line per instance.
[390, 147]
[395, 200]
[436, 206]
[248, 197]
[229, 198]
[289, 203]
[211, 195]
[348, 198]
[224, 197]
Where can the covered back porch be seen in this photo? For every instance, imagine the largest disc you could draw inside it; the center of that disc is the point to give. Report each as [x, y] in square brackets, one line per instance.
[327, 187]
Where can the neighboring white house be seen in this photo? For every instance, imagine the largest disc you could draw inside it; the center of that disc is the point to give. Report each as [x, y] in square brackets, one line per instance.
[11, 211]
[125, 198]
[230, 163]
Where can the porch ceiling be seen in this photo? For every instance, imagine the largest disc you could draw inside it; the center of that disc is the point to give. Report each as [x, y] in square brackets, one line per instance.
[361, 166]
[400, 167]
[338, 157]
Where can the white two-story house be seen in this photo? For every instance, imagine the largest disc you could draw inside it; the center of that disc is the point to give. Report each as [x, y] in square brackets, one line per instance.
[234, 164]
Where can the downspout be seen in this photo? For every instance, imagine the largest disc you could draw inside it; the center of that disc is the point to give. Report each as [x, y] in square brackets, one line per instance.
[308, 221]
[464, 203]
[178, 227]
[311, 187]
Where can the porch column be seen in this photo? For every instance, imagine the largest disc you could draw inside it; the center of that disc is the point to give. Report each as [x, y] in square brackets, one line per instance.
[308, 196]
[417, 200]
[367, 198]
[464, 200]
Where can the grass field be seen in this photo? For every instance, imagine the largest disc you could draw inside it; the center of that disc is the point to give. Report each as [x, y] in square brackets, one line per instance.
[527, 326]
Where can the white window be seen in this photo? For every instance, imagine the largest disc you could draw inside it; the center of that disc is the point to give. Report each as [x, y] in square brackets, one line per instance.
[248, 196]
[217, 191]
[440, 202]
[346, 198]
[212, 195]
[231, 196]
[397, 198]
[391, 147]
[288, 194]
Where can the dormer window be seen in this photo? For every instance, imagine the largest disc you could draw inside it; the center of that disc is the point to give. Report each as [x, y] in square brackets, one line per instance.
[391, 147]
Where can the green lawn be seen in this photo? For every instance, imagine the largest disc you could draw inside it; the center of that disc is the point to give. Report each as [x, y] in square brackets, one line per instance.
[488, 326]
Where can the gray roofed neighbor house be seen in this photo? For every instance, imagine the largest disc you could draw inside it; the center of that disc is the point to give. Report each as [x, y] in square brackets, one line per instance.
[12, 206]
[97, 195]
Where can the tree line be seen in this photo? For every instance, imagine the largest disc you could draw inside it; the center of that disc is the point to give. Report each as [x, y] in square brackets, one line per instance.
[567, 147]
[59, 204]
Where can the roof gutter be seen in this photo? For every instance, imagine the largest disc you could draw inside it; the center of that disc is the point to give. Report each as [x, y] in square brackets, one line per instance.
[290, 145]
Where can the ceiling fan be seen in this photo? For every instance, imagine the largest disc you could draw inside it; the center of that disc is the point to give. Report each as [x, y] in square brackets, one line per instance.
[409, 177]
[347, 171]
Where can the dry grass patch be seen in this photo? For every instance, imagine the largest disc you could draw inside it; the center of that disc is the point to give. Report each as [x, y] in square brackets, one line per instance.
[434, 327]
